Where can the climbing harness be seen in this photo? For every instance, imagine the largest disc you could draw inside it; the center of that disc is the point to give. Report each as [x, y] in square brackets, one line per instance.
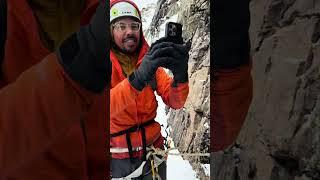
[155, 162]
[127, 132]
[155, 156]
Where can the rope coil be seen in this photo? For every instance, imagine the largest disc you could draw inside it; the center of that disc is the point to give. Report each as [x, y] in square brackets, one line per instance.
[167, 152]
[156, 161]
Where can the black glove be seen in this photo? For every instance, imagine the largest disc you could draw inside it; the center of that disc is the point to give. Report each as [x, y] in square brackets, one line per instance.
[179, 66]
[180, 54]
[158, 55]
[85, 54]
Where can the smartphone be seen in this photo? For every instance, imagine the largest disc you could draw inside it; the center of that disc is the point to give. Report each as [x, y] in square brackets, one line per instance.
[173, 32]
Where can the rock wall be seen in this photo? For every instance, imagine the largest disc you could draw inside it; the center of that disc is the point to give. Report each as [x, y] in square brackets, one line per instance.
[190, 125]
[280, 139]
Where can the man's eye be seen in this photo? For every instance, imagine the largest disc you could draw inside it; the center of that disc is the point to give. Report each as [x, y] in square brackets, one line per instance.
[134, 27]
[122, 26]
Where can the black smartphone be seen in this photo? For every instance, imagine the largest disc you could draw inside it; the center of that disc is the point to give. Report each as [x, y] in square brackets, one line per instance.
[173, 32]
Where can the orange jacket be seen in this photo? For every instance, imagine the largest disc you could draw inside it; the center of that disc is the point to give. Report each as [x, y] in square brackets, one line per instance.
[50, 128]
[231, 98]
[129, 107]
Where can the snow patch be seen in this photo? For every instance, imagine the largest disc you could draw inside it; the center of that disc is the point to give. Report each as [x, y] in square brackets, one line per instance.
[161, 115]
[206, 125]
[177, 168]
[179, 3]
[206, 168]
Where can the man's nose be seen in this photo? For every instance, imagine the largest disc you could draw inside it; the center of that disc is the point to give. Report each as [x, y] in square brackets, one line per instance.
[129, 31]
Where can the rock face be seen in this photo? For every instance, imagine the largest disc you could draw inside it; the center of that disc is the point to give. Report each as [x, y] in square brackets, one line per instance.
[280, 139]
[190, 125]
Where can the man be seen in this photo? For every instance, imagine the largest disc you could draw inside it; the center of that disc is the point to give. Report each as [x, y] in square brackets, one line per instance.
[53, 96]
[133, 105]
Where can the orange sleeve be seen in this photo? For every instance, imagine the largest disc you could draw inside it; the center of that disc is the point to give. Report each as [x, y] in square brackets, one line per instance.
[36, 110]
[174, 97]
[122, 95]
[231, 98]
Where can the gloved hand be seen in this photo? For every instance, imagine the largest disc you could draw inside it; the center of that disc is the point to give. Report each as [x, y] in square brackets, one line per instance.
[180, 55]
[179, 66]
[85, 54]
[158, 55]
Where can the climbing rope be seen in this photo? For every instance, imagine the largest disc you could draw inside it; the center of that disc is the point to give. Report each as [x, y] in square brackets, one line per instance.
[167, 152]
[155, 161]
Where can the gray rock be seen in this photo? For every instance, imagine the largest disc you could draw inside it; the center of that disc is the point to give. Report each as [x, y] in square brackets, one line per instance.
[280, 139]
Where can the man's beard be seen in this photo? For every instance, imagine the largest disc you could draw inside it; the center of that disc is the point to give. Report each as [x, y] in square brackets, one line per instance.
[126, 51]
[130, 51]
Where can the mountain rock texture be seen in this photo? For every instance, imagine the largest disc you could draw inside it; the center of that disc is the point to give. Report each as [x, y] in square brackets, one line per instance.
[280, 139]
[190, 126]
